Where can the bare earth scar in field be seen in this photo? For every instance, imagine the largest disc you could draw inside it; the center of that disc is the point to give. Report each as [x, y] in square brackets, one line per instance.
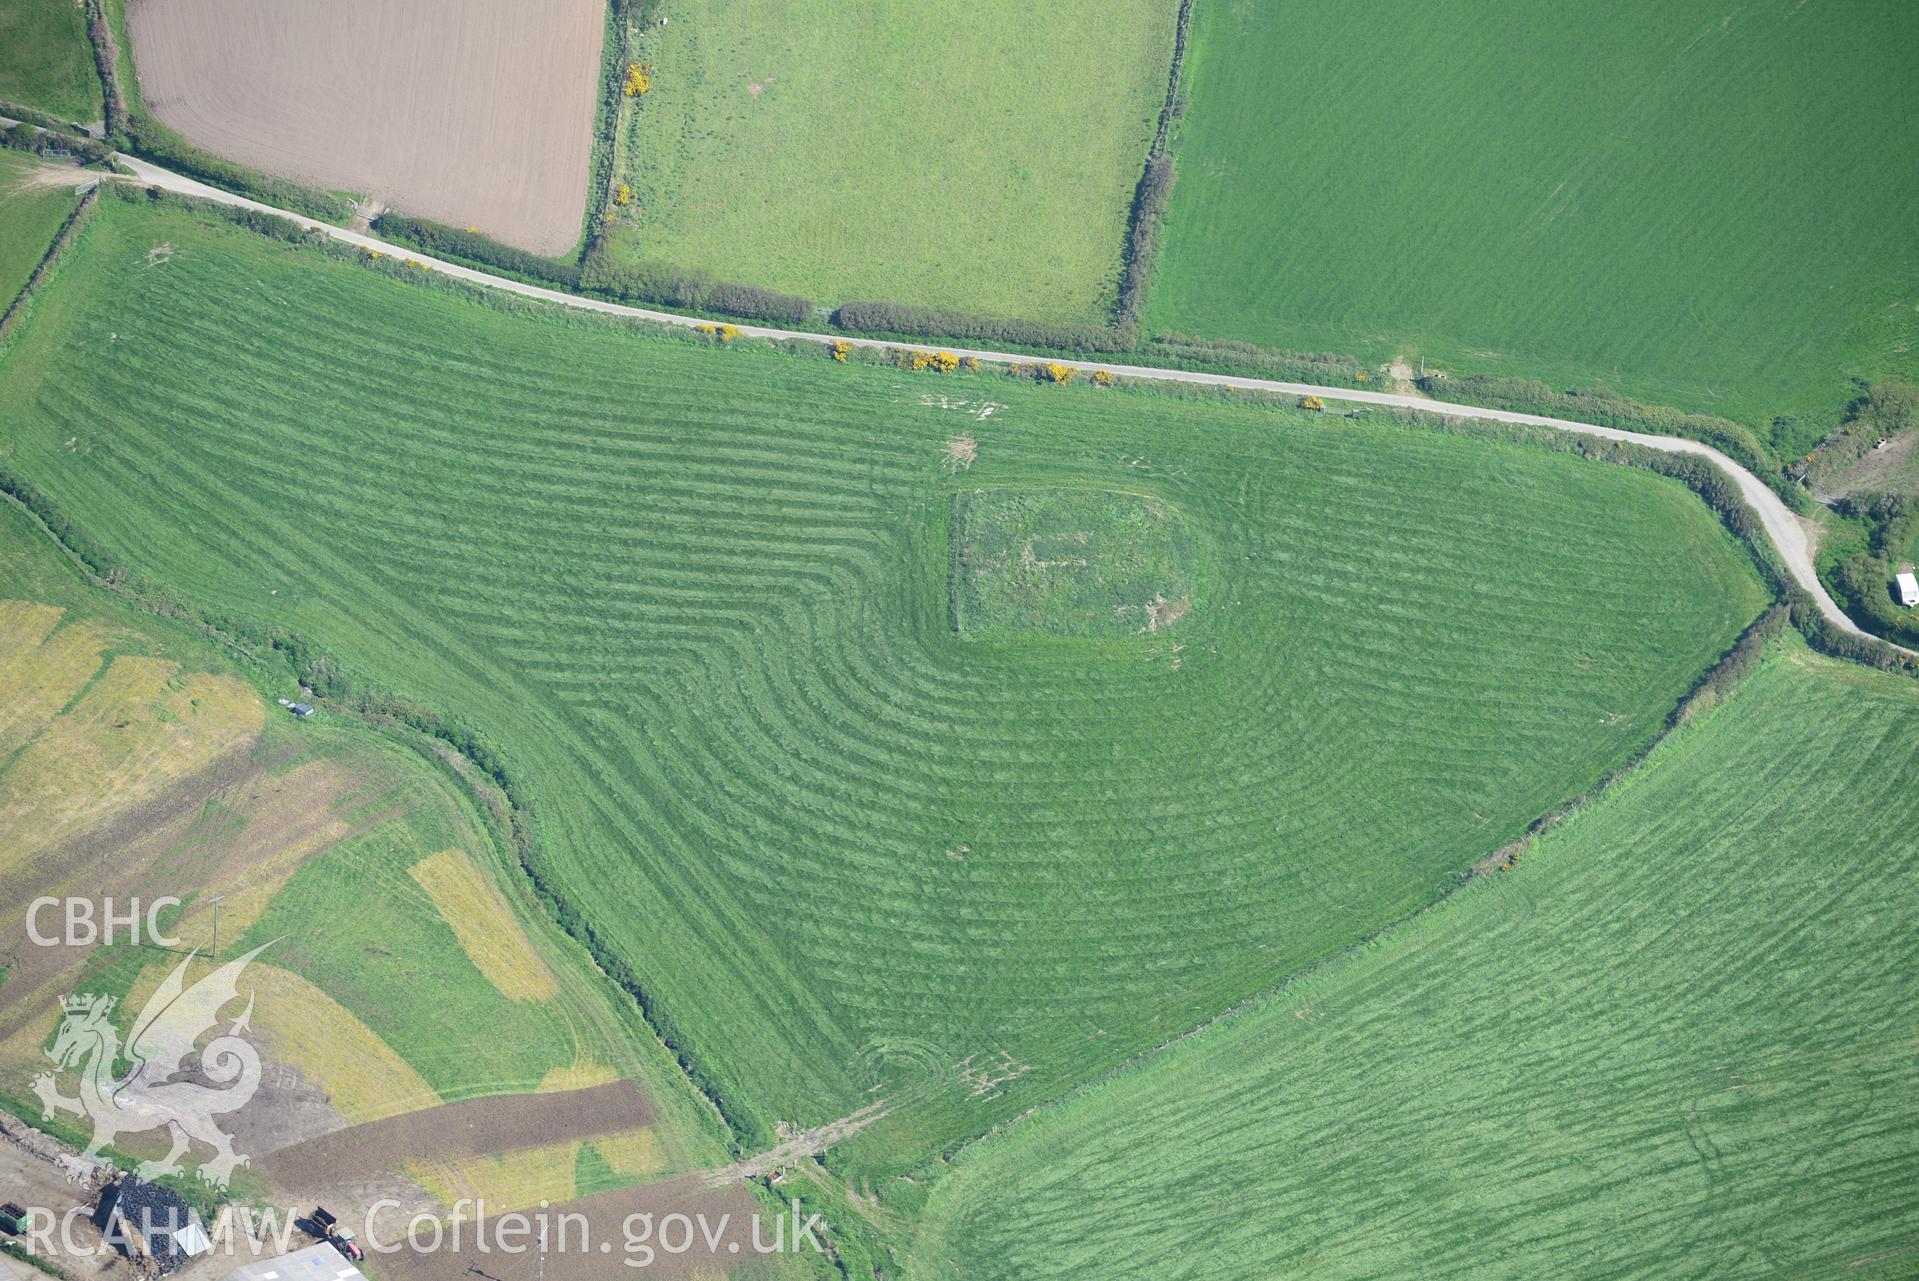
[478, 114]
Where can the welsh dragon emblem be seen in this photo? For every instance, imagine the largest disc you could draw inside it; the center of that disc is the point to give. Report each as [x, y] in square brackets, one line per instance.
[148, 1096]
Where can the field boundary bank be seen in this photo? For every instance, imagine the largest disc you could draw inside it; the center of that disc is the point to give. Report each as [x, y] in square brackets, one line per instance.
[61, 239]
[106, 65]
[1152, 197]
[1831, 628]
[1709, 484]
[1783, 527]
[126, 123]
[615, 52]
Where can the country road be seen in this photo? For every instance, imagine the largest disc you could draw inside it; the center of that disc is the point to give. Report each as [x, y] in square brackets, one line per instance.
[1791, 535]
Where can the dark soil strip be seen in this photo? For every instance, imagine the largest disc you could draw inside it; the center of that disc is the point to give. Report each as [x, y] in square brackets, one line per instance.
[472, 1127]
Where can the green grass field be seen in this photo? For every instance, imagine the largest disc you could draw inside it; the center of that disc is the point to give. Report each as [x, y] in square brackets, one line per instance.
[31, 212]
[45, 61]
[700, 599]
[1700, 205]
[981, 159]
[1676, 1040]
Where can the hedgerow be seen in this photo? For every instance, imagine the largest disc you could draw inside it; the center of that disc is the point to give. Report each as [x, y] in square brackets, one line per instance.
[1833, 639]
[666, 286]
[476, 247]
[48, 140]
[1243, 357]
[100, 37]
[61, 239]
[755, 303]
[1142, 242]
[645, 282]
[1739, 661]
[275, 644]
[1151, 197]
[902, 320]
[752, 553]
[15, 111]
[606, 126]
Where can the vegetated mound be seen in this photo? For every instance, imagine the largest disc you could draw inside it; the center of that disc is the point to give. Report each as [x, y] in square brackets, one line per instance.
[1589, 196]
[473, 113]
[697, 599]
[1068, 563]
[1681, 1016]
[136, 764]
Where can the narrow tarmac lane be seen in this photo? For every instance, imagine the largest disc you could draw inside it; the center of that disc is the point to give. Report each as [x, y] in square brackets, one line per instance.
[1791, 535]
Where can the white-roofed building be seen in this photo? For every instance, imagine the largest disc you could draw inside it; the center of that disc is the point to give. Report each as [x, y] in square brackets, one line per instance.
[315, 1263]
[1908, 588]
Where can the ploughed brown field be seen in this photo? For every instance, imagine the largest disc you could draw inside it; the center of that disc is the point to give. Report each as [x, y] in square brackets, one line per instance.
[478, 113]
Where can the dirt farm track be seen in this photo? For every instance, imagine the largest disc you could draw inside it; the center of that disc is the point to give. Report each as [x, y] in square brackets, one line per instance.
[478, 113]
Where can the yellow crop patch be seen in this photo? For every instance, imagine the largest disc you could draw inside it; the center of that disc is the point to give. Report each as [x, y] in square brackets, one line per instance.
[309, 1030]
[40, 669]
[138, 728]
[581, 1075]
[520, 1179]
[488, 932]
[510, 1181]
[21, 1048]
[635, 1153]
